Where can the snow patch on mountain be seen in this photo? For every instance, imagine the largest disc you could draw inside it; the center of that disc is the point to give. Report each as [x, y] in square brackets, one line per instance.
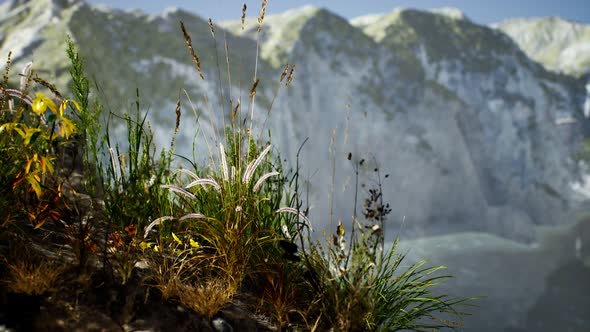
[450, 12]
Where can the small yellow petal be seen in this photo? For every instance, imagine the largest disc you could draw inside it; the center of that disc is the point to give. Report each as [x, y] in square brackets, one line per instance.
[28, 166]
[76, 105]
[46, 165]
[39, 105]
[51, 105]
[62, 107]
[176, 238]
[35, 185]
[144, 245]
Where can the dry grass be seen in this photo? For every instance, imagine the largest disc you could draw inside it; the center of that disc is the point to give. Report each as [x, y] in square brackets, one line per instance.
[189, 44]
[170, 268]
[282, 296]
[207, 298]
[33, 277]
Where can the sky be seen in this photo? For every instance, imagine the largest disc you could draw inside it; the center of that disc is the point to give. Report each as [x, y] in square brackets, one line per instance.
[480, 11]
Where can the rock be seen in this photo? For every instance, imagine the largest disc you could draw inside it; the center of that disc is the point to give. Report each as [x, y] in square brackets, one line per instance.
[221, 325]
[523, 287]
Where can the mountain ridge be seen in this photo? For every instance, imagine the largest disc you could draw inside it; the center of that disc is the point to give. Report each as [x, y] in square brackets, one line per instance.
[560, 45]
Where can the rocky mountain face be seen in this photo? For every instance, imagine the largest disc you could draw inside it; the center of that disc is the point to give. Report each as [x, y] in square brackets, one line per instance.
[474, 135]
[558, 44]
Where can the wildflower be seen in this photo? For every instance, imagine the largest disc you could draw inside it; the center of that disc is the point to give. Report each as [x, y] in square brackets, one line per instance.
[41, 103]
[131, 229]
[194, 243]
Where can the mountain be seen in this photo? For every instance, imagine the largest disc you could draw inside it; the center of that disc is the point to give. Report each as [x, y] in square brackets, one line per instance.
[560, 45]
[474, 135]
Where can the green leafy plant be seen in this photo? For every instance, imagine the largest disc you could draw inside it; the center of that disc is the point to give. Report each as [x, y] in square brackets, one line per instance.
[235, 211]
[31, 131]
[362, 286]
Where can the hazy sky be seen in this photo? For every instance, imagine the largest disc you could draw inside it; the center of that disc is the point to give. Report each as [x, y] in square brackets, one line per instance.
[481, 11]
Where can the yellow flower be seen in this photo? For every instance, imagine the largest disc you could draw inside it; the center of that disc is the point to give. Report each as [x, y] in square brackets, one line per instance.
[145, 245]
[194, 243]
[176, 238]
[66, 128]
[41, 103]
[64, 104]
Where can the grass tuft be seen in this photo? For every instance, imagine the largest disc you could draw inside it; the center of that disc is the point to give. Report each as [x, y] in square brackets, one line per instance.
[31, 274]
[207, 298]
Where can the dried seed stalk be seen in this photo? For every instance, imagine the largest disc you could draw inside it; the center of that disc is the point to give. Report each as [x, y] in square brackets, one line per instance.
[211, 28]
[262, 14]
[290, 78]
[48, 85]
[177, 125]
[243, 16]
[4, 84]
[284, 73]
[189, 44]
[253, 90]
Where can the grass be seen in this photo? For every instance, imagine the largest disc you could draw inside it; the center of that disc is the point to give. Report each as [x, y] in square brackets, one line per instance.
[32, 274]
[204, 234]
[208, 298]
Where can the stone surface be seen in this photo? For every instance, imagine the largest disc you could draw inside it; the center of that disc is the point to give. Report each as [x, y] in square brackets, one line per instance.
[543, 287]
[560, 45]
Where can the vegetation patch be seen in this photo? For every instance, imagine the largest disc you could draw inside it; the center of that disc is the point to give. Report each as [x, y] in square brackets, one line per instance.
[115, 229]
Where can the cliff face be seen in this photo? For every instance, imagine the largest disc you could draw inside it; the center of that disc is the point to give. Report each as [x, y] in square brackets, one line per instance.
[474, 135]
[558, 44]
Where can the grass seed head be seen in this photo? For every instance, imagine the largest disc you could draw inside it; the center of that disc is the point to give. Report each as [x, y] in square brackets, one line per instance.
[49, 86]
[243, 16]
[189, 44]
[211, 28]
[25, 76]
[284, 73]
[178, 114]
[262, 14]
[253, 89]
[290, 78]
